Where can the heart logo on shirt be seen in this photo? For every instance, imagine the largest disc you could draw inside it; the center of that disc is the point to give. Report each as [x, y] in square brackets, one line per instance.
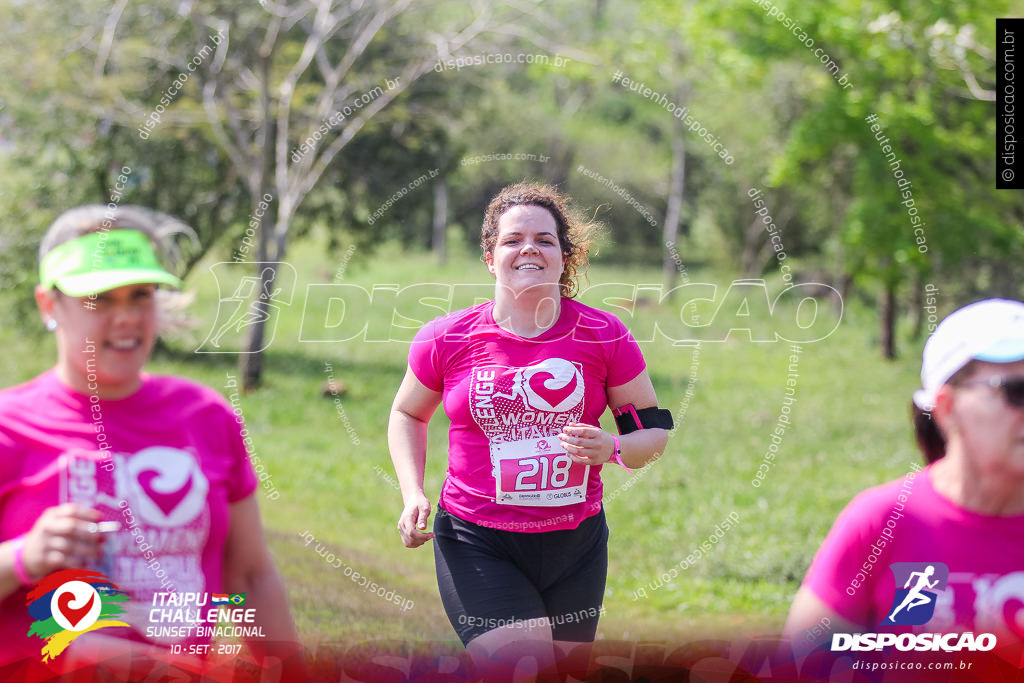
[164, 486]
[546, 385]
[73, 614]
[165, 501]
[554, 385]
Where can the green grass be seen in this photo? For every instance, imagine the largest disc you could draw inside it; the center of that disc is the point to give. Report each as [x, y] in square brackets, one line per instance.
[849, 430]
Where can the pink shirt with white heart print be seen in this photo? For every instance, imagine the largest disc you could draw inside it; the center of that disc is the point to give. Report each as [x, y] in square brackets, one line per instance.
[176, 462]
[498, 387]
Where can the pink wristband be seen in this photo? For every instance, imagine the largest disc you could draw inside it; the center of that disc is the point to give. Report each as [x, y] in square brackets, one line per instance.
[617, 456]
[19, 562]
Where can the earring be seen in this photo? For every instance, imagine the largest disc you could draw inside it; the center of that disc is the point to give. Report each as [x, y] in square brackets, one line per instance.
[51, 325]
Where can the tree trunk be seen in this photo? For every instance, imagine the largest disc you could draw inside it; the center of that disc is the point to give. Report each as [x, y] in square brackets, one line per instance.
[674, 206]
[758, 250]
[439, 242]
[887, 318]
[557, 170]
[749, 262]
[250, 365]
[845, 281]
[251, 362]
[916, 307]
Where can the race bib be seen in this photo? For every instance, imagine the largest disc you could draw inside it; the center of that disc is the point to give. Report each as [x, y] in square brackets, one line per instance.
[537, 472]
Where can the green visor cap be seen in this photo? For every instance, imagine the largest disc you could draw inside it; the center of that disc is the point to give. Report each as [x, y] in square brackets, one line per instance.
[101, 261]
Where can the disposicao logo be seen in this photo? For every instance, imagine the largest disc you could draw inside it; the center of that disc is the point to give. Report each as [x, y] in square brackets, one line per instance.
[70, 602]
[917, 586]
[914, 603]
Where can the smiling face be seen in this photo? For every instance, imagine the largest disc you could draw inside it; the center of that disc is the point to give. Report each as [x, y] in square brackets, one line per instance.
[527, 252]
[991, 431]
[103, 342]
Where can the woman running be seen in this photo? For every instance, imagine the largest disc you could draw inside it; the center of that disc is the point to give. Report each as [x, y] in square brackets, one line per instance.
[143, 478]
[958, 522]
[520, 541]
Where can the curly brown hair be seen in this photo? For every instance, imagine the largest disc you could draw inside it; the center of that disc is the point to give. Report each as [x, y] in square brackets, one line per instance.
[575, 235]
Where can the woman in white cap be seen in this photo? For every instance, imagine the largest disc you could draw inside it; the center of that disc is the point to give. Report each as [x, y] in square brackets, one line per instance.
[145, 479]
[962, 515]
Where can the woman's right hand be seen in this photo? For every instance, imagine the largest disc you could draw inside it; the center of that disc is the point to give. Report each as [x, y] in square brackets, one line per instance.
[413, 522]
[63, 537]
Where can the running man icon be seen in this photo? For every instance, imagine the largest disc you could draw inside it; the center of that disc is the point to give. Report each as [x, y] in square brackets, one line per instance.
[914, 603]
[253, 300]
[915, 598]
[247, 315]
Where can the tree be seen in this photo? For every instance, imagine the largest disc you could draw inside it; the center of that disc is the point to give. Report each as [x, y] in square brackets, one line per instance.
[70, 128]
[930, 130]
[285, 94]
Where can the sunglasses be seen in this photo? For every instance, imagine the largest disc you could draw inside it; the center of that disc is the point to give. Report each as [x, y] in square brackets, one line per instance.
[1012, 388]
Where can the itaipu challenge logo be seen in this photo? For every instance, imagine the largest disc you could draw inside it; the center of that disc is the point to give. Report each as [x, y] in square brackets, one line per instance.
[71, 602]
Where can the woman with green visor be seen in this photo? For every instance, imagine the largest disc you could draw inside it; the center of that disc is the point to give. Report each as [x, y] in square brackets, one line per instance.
[144, 479]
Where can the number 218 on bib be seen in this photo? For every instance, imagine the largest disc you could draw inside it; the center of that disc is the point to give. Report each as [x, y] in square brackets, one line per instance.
[537, 472]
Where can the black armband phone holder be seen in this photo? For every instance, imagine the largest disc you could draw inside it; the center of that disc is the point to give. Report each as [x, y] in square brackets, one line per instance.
[629, 419]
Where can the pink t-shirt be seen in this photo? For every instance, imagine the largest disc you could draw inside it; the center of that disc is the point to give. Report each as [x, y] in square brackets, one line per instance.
[176, 461]
[907, 521]
[508, 395]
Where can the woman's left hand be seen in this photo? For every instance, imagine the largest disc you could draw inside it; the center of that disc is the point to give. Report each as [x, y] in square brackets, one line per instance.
[587, 444]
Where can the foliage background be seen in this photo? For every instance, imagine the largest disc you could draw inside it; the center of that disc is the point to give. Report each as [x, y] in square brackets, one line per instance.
[80, 77]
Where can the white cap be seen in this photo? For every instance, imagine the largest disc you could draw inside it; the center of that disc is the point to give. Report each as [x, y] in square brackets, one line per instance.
[991, 330]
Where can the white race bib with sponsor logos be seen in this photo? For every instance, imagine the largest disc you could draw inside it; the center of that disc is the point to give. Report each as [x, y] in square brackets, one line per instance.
[537, 472]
